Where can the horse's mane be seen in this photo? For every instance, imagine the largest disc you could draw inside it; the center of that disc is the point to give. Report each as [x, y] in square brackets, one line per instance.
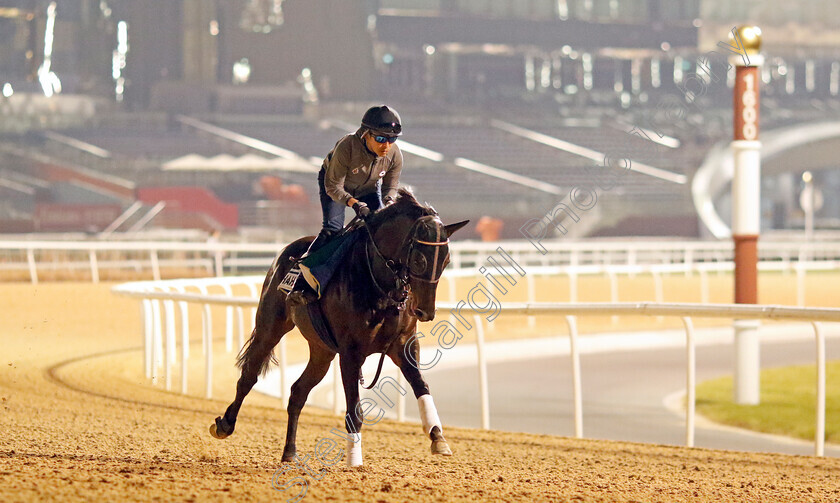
[404, 210]
[406, 205]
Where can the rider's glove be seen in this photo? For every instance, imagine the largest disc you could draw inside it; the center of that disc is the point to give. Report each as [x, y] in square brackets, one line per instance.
[361, 209]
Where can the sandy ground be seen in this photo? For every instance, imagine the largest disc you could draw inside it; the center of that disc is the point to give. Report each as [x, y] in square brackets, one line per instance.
[81, 423]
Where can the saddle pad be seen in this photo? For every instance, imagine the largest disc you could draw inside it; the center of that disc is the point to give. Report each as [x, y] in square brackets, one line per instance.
[318, 268]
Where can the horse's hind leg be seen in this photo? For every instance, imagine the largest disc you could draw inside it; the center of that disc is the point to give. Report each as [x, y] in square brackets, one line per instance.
[316, 369]
[253, 361]
[429, 418]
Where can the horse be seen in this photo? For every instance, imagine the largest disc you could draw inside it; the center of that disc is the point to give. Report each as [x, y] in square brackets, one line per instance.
[387, 282]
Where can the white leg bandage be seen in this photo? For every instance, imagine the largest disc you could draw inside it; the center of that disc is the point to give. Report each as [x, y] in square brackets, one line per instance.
[428, 414]
[354, 449]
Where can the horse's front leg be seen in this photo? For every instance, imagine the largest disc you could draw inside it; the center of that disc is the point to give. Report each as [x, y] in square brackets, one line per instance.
[429, 418]
[351, 364]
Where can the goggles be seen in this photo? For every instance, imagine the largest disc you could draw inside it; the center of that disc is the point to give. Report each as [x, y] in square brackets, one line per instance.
[383, 139]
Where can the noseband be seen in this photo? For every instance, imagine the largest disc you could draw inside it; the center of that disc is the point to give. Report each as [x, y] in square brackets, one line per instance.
[409, 265]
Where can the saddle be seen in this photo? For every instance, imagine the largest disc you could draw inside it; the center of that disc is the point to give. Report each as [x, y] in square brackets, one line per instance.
[319, 267]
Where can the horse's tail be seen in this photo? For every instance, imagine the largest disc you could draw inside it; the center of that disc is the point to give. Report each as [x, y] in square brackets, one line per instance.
[252, 355]
[256, 353]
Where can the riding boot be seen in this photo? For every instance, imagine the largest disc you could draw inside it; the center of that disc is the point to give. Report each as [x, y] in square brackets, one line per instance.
[302, 293]
[322, 239]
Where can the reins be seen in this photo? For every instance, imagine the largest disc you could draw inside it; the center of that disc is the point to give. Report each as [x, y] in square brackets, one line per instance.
[379, 367]
[400, 279]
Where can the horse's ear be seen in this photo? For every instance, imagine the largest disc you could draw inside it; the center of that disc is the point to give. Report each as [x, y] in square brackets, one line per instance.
[451, 228]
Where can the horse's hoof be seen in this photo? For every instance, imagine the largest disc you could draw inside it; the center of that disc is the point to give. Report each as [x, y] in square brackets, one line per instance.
[215, 433]
[217, 429]
[441, 447]
[288, 458]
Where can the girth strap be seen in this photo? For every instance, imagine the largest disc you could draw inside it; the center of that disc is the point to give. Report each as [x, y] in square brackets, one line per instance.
[321, 325]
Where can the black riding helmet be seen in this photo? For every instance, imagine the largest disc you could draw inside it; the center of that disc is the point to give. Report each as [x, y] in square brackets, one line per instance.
[383, 119]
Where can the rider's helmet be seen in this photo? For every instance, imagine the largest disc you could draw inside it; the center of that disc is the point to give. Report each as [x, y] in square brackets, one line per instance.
[383, 120]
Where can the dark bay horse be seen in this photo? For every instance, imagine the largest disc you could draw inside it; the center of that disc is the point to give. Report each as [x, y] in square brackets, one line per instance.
[387, 282]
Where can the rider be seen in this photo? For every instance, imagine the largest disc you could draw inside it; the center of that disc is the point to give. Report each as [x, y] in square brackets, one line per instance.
[362, 171]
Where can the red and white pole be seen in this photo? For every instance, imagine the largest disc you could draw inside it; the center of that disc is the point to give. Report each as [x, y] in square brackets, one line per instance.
[746, 210]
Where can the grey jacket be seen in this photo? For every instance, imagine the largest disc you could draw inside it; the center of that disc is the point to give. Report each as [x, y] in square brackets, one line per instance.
[353, 171]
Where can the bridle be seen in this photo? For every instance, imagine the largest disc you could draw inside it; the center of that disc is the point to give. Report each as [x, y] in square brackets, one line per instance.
[401, 270]
[411, 262]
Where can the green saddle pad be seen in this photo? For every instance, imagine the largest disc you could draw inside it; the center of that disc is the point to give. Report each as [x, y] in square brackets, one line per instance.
[321, 255]
[319, 267]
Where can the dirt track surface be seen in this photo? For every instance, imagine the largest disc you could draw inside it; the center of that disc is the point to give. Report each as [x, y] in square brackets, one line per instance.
[80, 423]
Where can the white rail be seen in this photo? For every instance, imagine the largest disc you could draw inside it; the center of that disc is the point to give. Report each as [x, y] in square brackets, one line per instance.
[686, 311]
[153, 293]
[572, 258]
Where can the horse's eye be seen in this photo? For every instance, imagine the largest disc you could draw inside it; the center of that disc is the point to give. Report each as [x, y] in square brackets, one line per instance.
[418, 263]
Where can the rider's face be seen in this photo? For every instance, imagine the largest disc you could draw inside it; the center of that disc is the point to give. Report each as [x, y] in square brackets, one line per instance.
[380, 149]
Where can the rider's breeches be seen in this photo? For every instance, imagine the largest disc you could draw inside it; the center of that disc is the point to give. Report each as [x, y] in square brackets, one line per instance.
[333, 212]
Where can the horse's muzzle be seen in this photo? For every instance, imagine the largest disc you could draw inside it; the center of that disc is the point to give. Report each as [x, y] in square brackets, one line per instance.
[423, 315]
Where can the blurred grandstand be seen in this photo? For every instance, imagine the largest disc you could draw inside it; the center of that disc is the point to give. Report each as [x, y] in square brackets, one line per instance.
[119, 116]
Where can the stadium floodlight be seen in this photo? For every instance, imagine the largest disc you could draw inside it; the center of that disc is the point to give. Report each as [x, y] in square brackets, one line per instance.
[47, 78]
[118, 59]
[241, 71]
